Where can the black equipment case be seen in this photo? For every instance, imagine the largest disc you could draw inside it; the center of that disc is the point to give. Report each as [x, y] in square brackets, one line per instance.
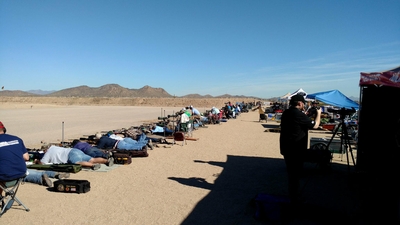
[72, 186]
[122, 158]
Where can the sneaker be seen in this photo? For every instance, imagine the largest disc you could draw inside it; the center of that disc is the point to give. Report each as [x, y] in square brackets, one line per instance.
[150, 144]
[110, 161]
[46, 181]
[96, 166]
[62, 175]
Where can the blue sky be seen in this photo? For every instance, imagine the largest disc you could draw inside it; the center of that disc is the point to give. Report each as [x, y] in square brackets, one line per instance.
[255, 48]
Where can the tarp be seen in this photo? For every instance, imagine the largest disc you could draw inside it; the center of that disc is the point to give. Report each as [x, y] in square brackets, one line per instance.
[299, 91]
[334, 98]
[389, 78]
[285, 96]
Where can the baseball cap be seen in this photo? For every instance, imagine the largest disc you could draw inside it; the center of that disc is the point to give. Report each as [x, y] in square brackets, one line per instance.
[1, 125]
[45, 146]
[296, 98]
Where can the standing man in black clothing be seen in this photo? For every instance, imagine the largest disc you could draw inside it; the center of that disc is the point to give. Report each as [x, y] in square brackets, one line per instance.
[294, 141]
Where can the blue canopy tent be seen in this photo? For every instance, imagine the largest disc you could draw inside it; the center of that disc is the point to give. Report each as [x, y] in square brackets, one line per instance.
[334, 98]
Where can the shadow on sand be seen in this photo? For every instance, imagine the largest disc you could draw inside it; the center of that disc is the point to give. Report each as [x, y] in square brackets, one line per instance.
[329, 195]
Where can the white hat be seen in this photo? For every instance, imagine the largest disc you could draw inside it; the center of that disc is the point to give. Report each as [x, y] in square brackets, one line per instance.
[98, 135]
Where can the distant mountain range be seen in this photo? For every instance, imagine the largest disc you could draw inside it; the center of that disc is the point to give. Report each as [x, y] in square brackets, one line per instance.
[116, 91]
[110, 90]
[40, 92]
[354, 98]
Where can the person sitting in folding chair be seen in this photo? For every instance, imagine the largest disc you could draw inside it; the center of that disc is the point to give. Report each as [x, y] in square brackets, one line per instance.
[13, 155]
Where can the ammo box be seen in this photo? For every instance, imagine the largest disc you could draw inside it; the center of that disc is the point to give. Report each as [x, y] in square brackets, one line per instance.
[72, 186]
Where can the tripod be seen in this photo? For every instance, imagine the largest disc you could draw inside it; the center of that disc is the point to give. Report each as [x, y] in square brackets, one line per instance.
[344, 139]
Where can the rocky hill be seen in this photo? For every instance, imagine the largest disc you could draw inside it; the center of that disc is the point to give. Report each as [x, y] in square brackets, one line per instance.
[6, 93]
[111, 91]
[114, 94]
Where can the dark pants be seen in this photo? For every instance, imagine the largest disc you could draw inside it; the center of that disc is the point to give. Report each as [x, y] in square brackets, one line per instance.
[96, 153]
[294, 167]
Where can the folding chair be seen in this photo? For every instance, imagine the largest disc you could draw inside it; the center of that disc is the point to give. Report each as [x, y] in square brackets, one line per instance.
[186, 128]
[10, 189]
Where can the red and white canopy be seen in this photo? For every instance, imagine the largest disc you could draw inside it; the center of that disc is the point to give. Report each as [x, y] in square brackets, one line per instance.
[389, 78]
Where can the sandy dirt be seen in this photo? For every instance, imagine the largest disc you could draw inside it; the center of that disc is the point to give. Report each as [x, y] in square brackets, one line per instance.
[208, 181]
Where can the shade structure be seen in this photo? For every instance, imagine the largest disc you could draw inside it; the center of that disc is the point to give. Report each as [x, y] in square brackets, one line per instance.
[390, 78]
[334, 98]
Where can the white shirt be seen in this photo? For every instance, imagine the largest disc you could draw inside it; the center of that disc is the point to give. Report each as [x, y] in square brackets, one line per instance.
[184, 118]
[116, 137]
[56, 155]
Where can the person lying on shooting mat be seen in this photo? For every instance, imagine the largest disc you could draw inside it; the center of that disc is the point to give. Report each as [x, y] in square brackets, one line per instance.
[127, 143]
[140, 138]
[92, 151]
[61, 155]
[157, 130]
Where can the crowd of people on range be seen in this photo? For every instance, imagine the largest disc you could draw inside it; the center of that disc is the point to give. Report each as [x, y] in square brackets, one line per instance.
[293, 142]
[14, 156]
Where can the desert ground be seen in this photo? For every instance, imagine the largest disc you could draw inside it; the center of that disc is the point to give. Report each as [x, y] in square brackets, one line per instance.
[211, 180]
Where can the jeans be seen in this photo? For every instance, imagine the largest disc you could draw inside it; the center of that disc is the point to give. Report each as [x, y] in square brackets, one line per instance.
[35, 176]
[96, 153]
[130, 144]
[76, 155]
[142, 139]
